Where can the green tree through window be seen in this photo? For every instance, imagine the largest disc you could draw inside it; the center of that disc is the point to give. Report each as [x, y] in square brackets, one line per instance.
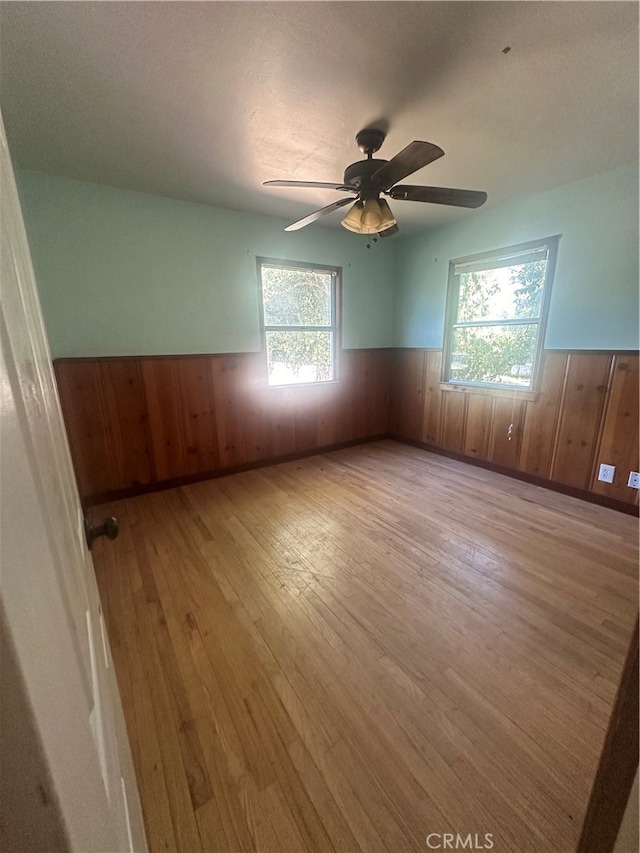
[496, 315]
[299, 319]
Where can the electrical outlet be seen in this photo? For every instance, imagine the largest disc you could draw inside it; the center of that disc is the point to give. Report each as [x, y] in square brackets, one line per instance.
[606, 473]
[634, 480]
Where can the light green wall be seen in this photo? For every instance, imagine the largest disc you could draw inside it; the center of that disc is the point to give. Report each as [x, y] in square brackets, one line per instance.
[594, 300]
[122, 273]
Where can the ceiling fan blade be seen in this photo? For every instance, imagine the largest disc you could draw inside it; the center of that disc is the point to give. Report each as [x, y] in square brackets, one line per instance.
[322, 185]
[439, 195]
[318, 214]
[410, 159]
[389, 232]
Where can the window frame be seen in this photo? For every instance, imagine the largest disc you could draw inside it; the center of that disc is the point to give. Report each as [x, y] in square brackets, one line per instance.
[336, 317]
[453, 294]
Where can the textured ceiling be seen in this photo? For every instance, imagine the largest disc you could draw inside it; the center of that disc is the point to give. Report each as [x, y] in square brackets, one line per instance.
[205, 101]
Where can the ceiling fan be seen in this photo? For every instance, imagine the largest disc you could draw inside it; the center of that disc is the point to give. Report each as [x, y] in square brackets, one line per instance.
[368, 179]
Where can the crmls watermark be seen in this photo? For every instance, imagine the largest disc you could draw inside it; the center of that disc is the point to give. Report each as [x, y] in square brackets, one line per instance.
[455, 841]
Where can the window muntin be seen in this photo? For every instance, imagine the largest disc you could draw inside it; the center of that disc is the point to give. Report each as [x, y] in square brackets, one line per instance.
[300, 322]
[496, 313]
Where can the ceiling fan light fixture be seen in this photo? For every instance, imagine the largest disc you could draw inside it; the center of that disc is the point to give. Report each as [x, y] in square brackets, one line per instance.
[353, 220]
[371, 214]
[388, 219]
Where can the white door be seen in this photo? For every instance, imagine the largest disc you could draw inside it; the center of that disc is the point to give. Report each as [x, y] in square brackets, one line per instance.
[52, 624]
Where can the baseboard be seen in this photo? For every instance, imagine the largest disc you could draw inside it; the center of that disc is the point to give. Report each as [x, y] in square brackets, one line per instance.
[553, 485]
[147, 488]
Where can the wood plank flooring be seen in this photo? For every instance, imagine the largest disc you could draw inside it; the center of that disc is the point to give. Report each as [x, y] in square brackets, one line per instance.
[356, 650]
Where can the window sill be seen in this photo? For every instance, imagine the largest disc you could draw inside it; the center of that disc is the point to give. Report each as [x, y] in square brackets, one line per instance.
[322, 384]
[510, 393]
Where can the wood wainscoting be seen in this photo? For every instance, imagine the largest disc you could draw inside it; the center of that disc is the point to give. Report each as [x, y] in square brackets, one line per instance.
[585, 413]
[135, 422]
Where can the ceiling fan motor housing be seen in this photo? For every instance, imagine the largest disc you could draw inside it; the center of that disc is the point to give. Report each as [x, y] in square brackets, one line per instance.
[358, 175]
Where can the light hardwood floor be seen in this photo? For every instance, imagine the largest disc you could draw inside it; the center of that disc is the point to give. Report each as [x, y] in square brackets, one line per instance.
[355, 650]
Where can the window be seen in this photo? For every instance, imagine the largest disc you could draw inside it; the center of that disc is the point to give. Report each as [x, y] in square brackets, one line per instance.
[300, 311]
[496, 313]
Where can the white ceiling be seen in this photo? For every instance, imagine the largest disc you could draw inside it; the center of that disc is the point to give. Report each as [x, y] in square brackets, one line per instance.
[205, 101]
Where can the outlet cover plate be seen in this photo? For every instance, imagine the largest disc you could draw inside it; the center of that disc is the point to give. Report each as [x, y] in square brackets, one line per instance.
[606, 473]
[634, 480]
